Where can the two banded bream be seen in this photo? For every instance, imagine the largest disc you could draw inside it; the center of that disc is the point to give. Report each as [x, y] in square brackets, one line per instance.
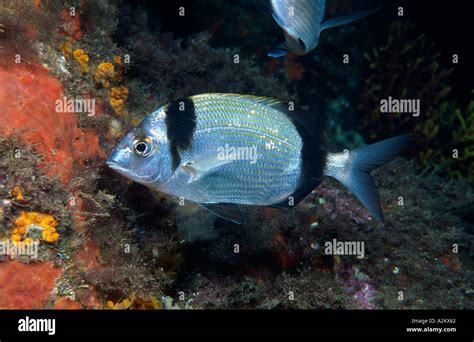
[302, 22]
[178, 150]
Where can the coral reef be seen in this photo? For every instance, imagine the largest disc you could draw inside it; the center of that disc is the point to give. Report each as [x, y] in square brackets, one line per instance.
[136, 303]
[26, 286]
[22, 23]
[82, 59]
[31, 221]
[17, 193]
[30, 94]
[64, 303]
[118, 96]
[104, 74]
[24, 205]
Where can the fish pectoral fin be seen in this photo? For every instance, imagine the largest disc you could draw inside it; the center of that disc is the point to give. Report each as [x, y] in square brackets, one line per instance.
[230, 212]
[201, 168]
[346, 19]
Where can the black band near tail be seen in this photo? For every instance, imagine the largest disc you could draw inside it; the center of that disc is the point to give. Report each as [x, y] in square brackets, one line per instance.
[180, 125]
[313, 156]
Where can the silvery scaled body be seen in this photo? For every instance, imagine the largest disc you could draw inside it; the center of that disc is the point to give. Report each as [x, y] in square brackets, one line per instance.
[302, 23]
[223, 150]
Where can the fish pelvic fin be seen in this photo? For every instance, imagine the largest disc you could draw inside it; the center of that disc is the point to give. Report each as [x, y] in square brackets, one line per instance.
[352, 168]
[229, 212]
[279, 51]
[346, 19]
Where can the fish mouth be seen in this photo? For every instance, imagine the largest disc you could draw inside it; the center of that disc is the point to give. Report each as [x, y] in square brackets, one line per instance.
[114, 165]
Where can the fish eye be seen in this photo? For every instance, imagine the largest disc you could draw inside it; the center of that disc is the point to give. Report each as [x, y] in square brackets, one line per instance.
[142, 148]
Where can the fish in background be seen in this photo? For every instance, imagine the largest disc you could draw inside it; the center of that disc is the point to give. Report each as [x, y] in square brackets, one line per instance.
[302, 23]
[188, 149]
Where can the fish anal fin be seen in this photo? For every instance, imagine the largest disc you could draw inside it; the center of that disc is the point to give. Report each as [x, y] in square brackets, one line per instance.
[305, 187]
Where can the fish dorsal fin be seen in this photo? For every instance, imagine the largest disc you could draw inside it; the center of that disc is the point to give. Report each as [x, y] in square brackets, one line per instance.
[268, 101]
[201, 168]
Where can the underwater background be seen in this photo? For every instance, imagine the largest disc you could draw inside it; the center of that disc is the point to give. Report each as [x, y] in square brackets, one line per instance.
[106, 242]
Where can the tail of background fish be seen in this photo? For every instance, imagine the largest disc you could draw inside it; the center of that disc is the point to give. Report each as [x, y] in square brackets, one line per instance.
[352, 168]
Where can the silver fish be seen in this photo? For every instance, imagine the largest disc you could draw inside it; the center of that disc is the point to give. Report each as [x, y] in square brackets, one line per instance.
[222, 150]
[302, 23]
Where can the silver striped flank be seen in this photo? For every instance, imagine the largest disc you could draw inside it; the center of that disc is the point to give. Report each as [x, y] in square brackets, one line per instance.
[240, 121]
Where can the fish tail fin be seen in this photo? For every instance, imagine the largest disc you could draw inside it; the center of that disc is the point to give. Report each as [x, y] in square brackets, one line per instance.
[346, 19]
[352, 168]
